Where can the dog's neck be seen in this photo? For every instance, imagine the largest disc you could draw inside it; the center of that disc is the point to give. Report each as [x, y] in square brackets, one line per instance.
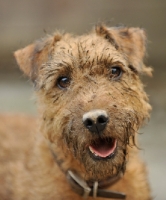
[87, 188]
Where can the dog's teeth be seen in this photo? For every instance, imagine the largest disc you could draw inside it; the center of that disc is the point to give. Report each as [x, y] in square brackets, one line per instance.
[92, 151]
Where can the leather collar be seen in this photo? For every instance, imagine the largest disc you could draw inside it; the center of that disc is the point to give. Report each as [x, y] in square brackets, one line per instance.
[85, 189]
[81, 187]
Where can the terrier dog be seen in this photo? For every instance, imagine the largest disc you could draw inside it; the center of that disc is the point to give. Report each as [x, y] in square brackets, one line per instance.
[91, 105]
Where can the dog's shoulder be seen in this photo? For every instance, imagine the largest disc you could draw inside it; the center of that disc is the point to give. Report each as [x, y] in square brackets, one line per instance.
[17, 131]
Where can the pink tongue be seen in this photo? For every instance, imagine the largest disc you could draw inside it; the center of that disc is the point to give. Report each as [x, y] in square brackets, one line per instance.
[105, 149]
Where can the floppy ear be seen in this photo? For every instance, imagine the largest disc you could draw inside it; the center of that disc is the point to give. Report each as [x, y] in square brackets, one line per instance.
[34, 55]
[131, 42]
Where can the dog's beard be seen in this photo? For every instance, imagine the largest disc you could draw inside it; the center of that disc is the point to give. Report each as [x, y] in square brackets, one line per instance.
[99, 169]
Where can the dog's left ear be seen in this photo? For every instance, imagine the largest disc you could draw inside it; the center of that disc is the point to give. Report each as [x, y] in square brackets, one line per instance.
[131, 42]
[31, 58]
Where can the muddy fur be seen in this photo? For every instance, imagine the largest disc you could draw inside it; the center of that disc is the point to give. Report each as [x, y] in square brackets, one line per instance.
[61, 141]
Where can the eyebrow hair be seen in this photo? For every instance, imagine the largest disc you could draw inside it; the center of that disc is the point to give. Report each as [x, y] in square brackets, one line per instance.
[133, 69]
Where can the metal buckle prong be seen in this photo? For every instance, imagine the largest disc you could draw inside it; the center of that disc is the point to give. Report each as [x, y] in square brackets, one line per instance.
[95, 189]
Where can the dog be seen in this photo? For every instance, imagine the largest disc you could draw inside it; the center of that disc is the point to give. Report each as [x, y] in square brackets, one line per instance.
[91, 104]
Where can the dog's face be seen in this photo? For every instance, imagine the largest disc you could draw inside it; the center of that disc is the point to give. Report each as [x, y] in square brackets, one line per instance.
[90, 95]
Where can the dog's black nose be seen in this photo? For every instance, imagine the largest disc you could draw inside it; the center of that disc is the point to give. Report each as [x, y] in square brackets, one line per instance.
[95, 120]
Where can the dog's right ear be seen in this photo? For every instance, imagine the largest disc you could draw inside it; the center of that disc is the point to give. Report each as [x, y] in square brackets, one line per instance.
[34, 55]
[131, 42]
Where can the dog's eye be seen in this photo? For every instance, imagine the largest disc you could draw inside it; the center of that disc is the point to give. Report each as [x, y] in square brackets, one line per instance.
[63, 82]
[116, 72]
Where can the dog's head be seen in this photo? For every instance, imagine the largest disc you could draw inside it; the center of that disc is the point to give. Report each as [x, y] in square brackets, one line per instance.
[90, 95]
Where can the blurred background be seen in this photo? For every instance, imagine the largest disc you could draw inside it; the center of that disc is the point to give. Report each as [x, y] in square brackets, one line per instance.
[22, 22]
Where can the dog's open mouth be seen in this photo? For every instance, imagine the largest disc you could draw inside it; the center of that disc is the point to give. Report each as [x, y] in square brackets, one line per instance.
[103, 147]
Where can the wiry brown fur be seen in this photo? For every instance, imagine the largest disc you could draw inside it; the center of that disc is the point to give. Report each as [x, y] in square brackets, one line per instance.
[37, 169]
